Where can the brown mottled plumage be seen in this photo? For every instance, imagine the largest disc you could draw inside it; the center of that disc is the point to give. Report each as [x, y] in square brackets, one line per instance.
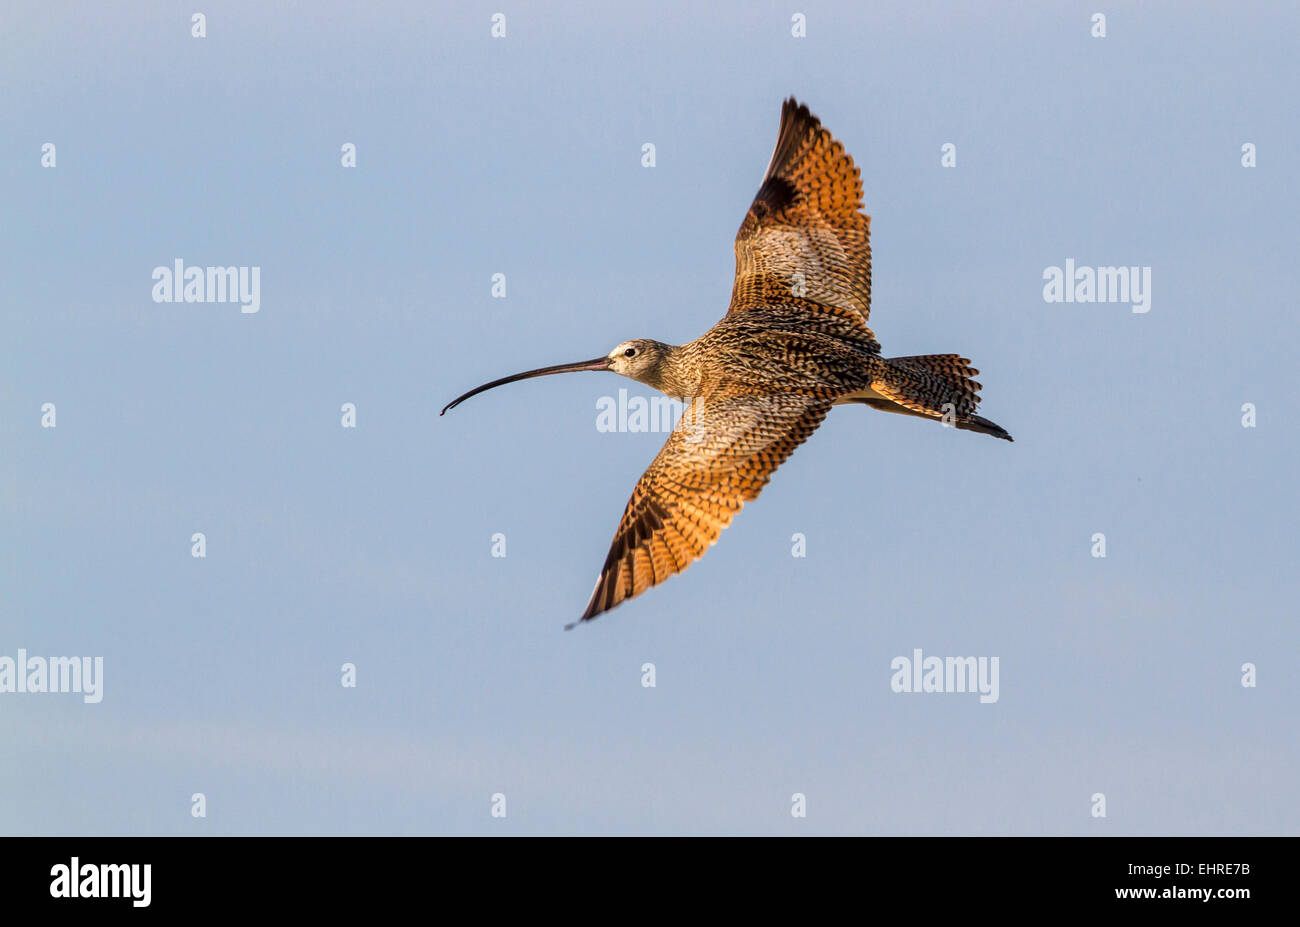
[794, 342]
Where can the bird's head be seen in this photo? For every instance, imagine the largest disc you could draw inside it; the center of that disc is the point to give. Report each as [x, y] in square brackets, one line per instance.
[640, 359]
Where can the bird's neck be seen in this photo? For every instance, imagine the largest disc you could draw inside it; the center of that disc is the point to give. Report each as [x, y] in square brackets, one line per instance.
[673, 376]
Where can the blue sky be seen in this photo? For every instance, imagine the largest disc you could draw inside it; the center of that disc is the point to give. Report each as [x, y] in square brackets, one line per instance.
[522, 156]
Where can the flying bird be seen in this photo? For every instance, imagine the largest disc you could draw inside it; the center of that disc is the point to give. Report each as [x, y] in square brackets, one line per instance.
[794, 342]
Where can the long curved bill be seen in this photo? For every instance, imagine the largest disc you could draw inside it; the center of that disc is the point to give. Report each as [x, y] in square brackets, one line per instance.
[599, 363]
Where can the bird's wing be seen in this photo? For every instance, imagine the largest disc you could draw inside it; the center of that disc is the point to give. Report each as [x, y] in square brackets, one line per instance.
[805, 235]
[720, 456]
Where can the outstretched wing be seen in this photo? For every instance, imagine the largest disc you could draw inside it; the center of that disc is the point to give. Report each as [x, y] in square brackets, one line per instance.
[805, 235]
[720, 456]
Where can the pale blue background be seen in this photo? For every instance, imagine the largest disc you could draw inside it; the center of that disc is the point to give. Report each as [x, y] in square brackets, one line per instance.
[522, 156]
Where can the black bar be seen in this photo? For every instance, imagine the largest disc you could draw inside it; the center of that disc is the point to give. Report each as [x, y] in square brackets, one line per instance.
[331, 876]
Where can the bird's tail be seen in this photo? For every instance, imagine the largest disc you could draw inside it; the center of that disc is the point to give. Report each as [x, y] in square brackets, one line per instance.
[938, 386]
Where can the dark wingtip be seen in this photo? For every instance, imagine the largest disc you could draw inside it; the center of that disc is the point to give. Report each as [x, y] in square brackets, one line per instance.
[797, 122]
[984, 426]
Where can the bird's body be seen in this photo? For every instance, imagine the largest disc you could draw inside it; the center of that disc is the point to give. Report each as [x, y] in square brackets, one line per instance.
[794, 342]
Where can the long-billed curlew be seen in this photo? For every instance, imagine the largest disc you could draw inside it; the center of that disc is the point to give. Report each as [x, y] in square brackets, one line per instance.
[793, 343]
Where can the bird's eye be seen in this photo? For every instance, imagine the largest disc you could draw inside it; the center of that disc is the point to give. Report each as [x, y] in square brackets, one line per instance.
[630, 352]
